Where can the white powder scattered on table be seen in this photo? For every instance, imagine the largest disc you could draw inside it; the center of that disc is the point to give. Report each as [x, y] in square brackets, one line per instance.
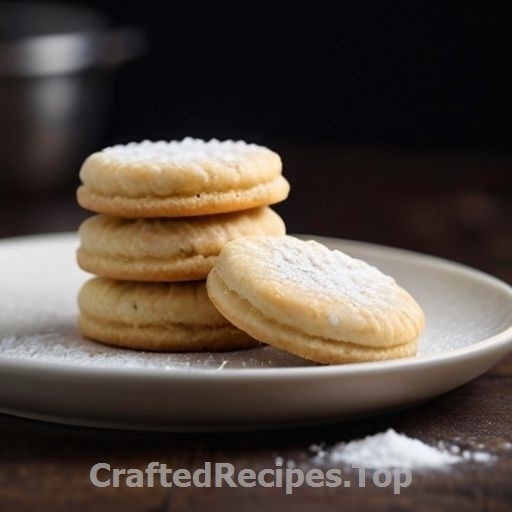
[393, 450]
[477, 456]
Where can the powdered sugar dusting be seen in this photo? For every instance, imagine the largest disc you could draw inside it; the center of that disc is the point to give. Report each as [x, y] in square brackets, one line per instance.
[315, 269]
[390, 449]
[63, 344]
[188, 151]
[334, 319]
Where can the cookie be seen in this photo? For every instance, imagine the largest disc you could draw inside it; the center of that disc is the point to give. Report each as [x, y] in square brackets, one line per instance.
[166, 249]
[155, 316]
[320, 304]
[181, 178]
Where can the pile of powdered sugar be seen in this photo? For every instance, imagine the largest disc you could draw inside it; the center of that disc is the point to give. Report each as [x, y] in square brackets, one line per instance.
[393, 450]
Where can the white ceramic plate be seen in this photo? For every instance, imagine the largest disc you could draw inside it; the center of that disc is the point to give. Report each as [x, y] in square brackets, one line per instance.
[48, 371]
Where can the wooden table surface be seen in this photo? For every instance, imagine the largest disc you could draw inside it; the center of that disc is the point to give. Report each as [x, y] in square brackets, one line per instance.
[452, 204]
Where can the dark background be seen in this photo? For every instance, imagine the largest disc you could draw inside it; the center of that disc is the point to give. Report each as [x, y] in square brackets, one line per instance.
[392, 118]
[366, 72]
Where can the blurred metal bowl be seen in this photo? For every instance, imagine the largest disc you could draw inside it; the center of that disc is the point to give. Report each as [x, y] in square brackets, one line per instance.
[56, 62]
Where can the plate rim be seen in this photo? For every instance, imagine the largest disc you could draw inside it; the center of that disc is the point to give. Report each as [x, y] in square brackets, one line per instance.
[490, 344]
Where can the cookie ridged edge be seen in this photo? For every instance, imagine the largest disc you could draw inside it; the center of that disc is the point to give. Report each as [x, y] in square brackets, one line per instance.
[262, 194]
[247, 318]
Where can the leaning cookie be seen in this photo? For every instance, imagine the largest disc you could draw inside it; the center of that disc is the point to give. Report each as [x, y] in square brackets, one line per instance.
[181, 178]
[166, 249]
[313, 302]
[155, 316]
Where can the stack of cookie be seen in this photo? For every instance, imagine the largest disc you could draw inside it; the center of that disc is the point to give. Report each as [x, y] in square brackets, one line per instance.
[166, 209]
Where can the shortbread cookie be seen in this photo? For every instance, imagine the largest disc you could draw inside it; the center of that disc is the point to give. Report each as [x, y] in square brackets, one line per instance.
[181, 178]
[316, 303]
[155, 316]
[166, 249]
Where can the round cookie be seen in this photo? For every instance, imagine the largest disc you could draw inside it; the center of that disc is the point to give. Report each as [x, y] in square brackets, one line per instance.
[155, 316]
[181, 178]
[166, 249]
[316, 303]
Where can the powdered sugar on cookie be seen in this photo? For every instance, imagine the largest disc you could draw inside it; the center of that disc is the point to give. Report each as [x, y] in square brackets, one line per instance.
[188, 151]
[317, 270]
[181, 178]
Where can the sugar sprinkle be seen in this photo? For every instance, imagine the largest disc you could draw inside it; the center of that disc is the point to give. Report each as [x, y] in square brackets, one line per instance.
[390, 449]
